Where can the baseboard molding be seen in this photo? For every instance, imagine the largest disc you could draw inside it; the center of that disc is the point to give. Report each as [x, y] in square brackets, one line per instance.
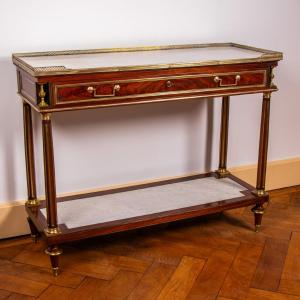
[280, 174]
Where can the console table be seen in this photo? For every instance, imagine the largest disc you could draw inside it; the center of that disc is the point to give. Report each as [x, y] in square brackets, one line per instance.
[59, 81]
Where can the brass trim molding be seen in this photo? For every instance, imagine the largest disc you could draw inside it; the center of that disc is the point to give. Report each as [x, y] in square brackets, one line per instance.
[134, 96]
[267, 55]
[101, 105]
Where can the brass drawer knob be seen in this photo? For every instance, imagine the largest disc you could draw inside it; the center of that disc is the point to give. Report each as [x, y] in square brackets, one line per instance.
[90, 89]
[169, 83]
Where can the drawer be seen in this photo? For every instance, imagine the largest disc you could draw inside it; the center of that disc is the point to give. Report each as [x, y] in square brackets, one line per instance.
[159, 86]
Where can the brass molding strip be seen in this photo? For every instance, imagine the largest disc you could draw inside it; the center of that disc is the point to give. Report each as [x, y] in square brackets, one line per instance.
[267, 55]
[134, 96]
[51, 110]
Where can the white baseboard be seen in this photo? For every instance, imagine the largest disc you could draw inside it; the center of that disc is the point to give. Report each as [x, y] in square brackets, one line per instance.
[280, 174]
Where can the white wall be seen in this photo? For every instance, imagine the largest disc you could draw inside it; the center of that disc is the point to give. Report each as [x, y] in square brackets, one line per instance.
[117, 145]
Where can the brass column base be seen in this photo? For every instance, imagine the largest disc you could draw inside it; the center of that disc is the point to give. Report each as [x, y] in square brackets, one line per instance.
[259, 193]
[222, 173]
[32, 203]
[52, 231]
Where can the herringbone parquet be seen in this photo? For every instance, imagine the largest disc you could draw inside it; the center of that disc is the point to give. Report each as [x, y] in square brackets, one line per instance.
[216, 257]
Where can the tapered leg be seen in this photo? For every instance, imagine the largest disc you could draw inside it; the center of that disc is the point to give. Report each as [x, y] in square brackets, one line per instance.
[52, 226]
[29, 157]
[262, 159]
[34, 232]
[54, 251]
[258, 211]
[222, 170]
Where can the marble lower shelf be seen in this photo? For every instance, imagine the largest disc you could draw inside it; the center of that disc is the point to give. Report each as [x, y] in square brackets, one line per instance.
[115, 208]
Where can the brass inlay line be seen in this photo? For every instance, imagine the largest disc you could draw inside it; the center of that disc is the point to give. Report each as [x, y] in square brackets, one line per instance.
[51, 110]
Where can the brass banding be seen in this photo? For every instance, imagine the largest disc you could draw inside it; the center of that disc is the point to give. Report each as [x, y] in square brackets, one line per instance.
[91, 85]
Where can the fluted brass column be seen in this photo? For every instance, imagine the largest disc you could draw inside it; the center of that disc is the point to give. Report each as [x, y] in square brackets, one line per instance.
[29, 156]
[49, 170]
[222, 170]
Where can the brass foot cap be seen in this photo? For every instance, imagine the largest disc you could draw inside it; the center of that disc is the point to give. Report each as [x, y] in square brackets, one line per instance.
[257, 227]
[35, 238]
[55, 271]
[52, 231]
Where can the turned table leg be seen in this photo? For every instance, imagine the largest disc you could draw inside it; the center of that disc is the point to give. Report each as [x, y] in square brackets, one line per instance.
[222, 170]
[258, 210]
[52, 227]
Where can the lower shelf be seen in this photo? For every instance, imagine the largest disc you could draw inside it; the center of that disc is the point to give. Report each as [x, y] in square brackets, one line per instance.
[144, 205]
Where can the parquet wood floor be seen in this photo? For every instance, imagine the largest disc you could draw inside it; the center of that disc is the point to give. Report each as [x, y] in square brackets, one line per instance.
[214, 257]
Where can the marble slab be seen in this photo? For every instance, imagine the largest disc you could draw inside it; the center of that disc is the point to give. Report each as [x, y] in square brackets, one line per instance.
[129, 204]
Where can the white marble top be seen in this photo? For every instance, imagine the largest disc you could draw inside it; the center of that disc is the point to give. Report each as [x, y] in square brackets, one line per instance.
[141, 58]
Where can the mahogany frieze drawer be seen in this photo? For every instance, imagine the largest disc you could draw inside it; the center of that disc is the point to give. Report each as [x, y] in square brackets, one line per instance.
[159, 86]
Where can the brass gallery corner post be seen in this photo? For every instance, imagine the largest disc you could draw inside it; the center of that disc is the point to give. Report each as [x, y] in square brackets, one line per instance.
[50, 82]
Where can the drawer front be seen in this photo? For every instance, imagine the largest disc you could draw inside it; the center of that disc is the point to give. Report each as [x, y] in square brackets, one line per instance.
[160, 86]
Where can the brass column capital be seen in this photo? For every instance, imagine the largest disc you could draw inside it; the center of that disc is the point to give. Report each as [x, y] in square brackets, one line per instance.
[267, 95]
[46, 116]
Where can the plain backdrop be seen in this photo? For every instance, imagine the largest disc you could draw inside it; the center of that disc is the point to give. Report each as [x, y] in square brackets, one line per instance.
[118, 145]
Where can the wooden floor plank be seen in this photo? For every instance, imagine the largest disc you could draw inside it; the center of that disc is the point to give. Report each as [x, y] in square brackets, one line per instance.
[56, 292]
[30, 272]
[239, 277]
[21, 285]
[213, 257]
[10, 252]
[155, 248]
[270, 266]
[120, 287]
[82, 266]
[183, 279]
[15, 296]
[4, 294]
[88, 289]
[211, 278]
[255, 294]
[290, 280]
[18, 241]
[152, 282]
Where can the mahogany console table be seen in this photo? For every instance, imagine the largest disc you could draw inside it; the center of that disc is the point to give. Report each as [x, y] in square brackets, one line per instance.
[59, 81]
